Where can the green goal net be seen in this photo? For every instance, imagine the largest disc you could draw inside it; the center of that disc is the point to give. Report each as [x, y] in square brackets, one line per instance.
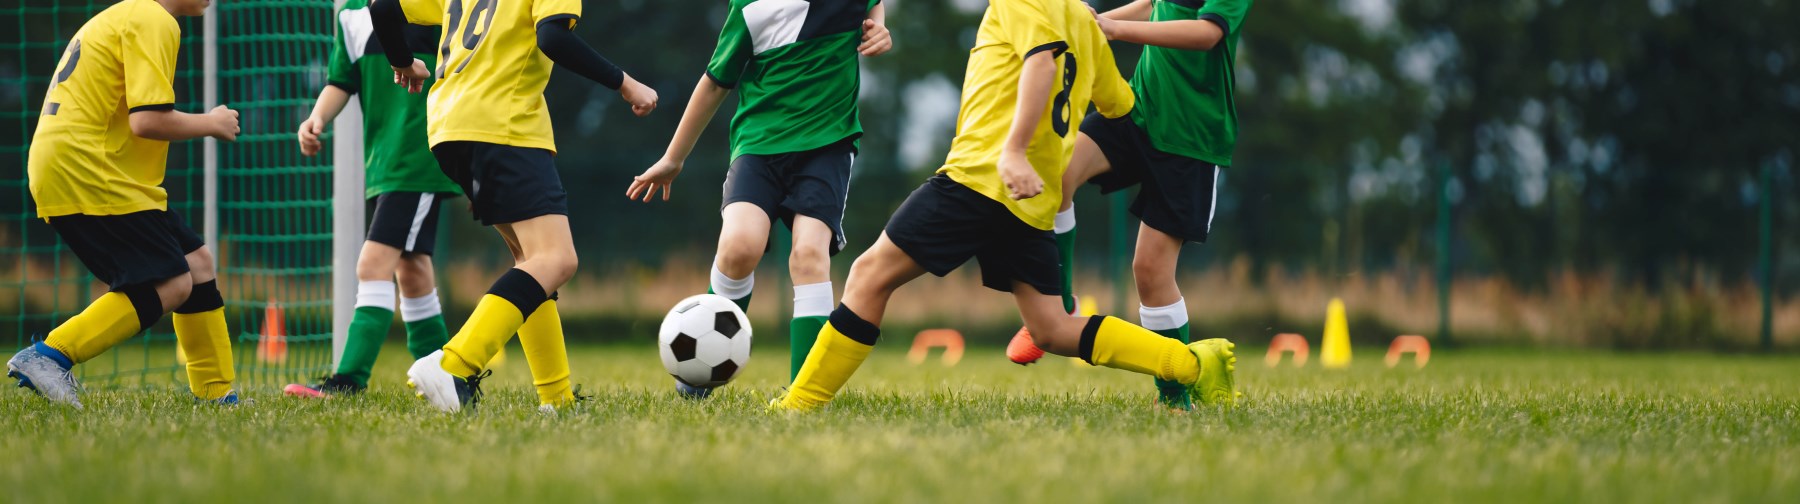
[270, 222]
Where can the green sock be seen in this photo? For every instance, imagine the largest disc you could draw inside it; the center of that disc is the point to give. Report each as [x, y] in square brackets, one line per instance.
[1065, 248]
[426, 335]
[1170, 393]
[743, 303]
[802, 332]
[368, 329]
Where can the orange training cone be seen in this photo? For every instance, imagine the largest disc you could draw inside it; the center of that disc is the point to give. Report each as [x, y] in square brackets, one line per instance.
[950, 339]
[1413, 344]
[273, 345]
[1286, 343]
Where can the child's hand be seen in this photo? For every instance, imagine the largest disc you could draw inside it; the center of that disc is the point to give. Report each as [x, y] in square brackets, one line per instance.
[875, 39]
[1022, 181]
[659, 176]
[641, 97]
[225, 123]
[309, 135]
[412, 78]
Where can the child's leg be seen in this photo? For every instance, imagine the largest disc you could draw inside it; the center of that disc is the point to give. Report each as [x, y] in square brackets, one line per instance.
[810, 266]
[1162, 310]
[201, 331]
[375, 294]
[1104, 341]
[419, 305]
[549, 260]
[846, 340]
[742, 239]
[140, 255]
[541, 337]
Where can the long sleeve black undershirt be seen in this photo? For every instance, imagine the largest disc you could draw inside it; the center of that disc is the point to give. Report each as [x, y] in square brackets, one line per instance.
[390, 28]
[562, 46]
[553, 37]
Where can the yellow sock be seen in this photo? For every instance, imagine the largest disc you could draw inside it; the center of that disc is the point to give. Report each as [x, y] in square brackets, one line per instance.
[834, 357]
[542, 337]
[207, 343]
[110, 320]
[1122, 345]
[492, 323]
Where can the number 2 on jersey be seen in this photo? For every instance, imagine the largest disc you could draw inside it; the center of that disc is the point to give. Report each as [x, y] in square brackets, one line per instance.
[70, 59]
[469, 38]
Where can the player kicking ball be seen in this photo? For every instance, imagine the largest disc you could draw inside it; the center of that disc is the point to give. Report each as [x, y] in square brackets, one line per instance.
[406, 186]
[1174, 150]
[489, 127]
[96, 168]
[1036, 65]
[793, 141]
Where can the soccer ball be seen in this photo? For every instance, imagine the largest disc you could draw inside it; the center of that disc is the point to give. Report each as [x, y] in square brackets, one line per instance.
[704, 342]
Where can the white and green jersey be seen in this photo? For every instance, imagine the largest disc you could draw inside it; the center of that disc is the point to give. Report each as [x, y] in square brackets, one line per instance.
[395, 151]
[1186, 100]
[794, 65]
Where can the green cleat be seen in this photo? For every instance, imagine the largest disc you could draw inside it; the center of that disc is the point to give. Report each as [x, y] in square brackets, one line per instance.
[1218, 369]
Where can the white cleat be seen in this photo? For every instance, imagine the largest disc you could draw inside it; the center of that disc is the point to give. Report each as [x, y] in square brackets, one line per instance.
[429, 380]
[40, 373]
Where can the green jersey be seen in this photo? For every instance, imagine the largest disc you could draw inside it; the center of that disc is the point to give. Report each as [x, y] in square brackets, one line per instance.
[1185, 99]
[395, 149]
[794, 64]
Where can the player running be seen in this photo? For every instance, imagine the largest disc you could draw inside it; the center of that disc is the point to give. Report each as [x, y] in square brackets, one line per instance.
[793, 141]
[1035, 65]
[96, 168]
[490, 129]
[405, 185]
[1173, 144]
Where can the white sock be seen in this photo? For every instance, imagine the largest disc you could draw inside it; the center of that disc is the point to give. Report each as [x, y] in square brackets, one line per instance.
[376, 293]
[420, 308]
[1065, 221]
[1164, 318]
[813, 300]
[730, 288]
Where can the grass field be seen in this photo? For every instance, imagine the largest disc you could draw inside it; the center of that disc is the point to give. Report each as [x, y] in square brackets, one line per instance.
[1475, 426]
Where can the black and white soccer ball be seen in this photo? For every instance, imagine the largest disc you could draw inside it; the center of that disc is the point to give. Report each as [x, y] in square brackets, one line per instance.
[704, 342]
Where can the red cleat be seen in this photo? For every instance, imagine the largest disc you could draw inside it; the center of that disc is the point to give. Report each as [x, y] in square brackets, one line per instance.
[1022, 350]
[298, 390]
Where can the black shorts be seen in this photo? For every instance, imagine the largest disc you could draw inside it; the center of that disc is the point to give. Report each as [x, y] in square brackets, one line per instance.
[136, 248]
[505, 184]
[1179, 193]
[812, 183]
[944, 223]
[406, 221]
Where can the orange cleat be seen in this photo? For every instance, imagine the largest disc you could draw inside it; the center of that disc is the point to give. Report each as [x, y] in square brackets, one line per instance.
[1022, 350]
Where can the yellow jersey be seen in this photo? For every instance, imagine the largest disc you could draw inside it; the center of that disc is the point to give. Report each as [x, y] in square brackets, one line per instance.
[490, 73]
[1010, 31]
[83, 157]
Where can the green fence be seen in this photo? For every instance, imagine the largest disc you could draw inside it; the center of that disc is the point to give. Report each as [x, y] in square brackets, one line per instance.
[273, 208]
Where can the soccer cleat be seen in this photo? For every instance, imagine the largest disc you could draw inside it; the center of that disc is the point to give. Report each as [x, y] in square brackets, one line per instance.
[691, 392]
[440, 389]
[552, 410]
[44, 375]
[230, 399]
[328, 386]
[1022, 350]
[1218, 369]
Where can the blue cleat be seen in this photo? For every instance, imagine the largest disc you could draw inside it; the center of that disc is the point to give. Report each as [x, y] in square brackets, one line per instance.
[230, 399]
[691, 392]
[45, 371]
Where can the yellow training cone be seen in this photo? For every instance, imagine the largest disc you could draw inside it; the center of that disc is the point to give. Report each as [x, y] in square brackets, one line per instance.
[1336, 354]
[1086, 306]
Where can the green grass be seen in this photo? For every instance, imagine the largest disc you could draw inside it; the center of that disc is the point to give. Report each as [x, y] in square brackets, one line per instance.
[1475, 426]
